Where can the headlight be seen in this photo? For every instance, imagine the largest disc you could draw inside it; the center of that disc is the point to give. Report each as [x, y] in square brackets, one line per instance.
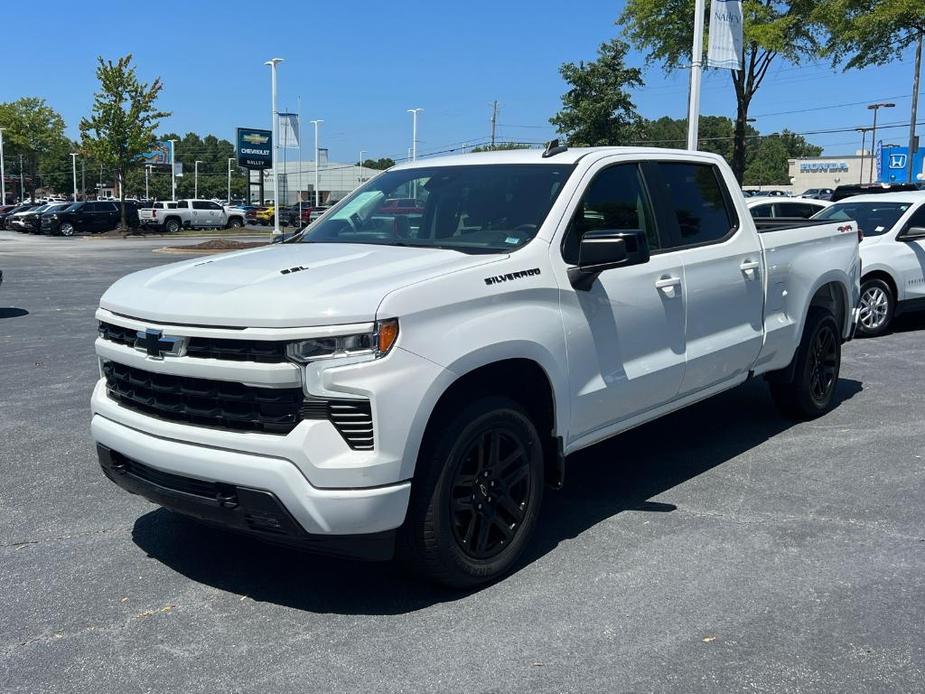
[377, 343]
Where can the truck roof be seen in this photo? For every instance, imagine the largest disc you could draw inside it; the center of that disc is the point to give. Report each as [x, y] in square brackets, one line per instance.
[535, 156]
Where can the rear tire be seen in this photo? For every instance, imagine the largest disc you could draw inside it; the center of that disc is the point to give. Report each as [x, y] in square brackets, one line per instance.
[477, 495]
[877, 306]
[172, 226]
[811, 391]
[66, 229]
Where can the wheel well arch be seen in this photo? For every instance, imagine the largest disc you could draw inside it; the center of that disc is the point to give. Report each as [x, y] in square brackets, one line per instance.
[521, 379]
[833, 297]
[886, 277]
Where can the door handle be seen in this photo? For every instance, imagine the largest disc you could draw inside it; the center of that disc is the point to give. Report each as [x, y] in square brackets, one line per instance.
[667, 285]
[749, 265]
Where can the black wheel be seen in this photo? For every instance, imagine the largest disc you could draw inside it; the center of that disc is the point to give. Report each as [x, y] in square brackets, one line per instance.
[66, 229]
[811, 392]
[877, 305]
[172, 226]
[476, 499]
[235, 223]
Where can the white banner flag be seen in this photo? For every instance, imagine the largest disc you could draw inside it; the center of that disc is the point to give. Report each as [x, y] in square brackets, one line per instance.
[289, 130]
[725, 49]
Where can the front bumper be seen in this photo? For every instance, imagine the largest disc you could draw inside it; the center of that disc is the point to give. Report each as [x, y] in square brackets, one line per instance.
[272, 497]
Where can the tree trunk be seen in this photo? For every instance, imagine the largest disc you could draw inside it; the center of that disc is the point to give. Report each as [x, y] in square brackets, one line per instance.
[738, 142]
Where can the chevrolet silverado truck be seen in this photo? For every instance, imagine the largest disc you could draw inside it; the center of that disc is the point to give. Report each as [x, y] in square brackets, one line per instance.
[372, 388]
[190, 214]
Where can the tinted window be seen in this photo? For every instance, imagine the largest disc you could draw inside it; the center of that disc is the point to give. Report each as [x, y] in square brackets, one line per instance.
[614, 201]
[200, 205]
[212, 206]
[699, 204]
[917, 219]
[796, 209]
[874, 218]
[183, 204]
[761, 211]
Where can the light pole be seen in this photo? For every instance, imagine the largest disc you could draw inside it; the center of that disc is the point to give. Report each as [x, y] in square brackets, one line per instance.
[230, 161]
[147, 171]
[273, 62]
[414, 132]
[2, 172]
[873, 136]
[173, 170]
[913, 140]
[317, 124]
[22, 184]
[360, 175]
[74, 172]
[863, 132]
[196, 179]
[693, 105]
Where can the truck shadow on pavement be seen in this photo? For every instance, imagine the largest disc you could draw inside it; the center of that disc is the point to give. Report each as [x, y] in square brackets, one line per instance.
[618, 475]
[12, 312]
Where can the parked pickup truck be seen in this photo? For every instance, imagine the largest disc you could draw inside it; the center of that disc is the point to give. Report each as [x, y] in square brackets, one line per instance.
[369, 388]
[190, 214]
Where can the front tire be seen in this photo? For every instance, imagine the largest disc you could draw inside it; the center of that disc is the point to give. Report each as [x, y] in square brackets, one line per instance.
[877, 306]
[811, 391]
[66, 229]
[235, 223]
[477, 496]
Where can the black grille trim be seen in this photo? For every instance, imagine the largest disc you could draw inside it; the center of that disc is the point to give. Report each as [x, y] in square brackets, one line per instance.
[353, 419]
[117, 334]
[204, 402]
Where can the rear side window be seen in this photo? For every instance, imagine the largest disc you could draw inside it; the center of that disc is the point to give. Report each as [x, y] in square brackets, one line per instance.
[614, 201]
[699, 201]
[796, 209]
[761, 211]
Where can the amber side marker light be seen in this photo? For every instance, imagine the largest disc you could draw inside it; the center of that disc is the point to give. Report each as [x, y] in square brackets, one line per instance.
[387, 334]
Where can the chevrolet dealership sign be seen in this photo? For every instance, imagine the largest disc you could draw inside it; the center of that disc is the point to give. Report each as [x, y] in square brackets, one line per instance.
[823, 166]
[254, 148]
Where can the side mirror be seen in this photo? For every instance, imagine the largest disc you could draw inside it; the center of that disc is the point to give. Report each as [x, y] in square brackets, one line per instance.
[606, 249]
[914, 233]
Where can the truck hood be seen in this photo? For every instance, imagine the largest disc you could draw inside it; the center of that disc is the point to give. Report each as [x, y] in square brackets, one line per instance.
[281, 286]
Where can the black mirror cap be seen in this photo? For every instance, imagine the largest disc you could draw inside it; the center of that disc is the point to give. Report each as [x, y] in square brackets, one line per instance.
[604, 250]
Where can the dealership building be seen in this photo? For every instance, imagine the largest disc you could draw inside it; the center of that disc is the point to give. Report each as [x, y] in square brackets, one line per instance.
[828, 172]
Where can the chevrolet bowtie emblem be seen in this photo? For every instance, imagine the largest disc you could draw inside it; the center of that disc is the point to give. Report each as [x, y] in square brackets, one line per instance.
[154, 343]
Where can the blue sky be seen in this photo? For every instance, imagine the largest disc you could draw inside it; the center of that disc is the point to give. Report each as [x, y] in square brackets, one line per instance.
[359, 65]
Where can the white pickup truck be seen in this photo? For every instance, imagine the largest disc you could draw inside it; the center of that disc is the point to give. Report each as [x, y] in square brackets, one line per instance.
[376, 386]
[190, 214]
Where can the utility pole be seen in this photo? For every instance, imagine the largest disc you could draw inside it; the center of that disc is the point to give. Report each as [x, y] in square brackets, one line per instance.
[2, 172]
[360, 176]
[863, 132]
[317, 124]
[414, 132]
[74, 173]
[196, 179]
[273, 62]
[83, 179]
[173, 170]
[22, 185]
[693, 107]
[913, 140]
[873, 137]
[494, 121]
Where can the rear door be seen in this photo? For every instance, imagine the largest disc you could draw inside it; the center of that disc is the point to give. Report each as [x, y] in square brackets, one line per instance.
[626, 332]
[721, 257]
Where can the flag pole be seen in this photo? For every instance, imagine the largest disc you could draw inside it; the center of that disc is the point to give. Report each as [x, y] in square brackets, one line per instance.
[693, 109]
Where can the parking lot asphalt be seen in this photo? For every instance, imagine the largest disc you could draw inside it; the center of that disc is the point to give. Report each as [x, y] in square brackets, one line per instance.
[721, 548]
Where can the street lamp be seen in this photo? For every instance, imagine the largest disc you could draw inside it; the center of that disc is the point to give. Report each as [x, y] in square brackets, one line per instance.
[196, 179]
[863, 132]
[148, 168]
[873, 136]
[173, 170]
[2, 172]
[273, 62]
[414, 132]
[74, 172]
[230, 161]
[360, 175]
[317, 124]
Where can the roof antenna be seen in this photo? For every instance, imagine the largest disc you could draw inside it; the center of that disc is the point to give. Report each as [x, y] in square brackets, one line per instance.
[553, 148]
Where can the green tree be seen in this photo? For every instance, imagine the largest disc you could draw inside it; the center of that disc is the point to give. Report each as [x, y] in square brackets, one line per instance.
[36, 131]
[379, 164]
[597, 110]
[499, 146]
[773, 29]
[123, 120]
[870, 32]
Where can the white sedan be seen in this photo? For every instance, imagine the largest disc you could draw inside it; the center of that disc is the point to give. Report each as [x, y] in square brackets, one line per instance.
[773, 207]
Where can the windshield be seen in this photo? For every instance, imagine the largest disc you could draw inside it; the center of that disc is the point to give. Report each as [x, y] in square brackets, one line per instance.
[873, 218]
[472, 209]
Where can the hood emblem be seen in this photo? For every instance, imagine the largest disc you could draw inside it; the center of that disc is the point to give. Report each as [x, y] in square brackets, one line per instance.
[290, 270]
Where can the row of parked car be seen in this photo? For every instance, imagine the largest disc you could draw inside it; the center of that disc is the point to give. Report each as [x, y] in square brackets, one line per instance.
[66, 218]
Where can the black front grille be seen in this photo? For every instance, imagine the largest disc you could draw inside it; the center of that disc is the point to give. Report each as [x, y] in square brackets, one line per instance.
[353, 419]
[262, 351]
[237, 350]
[204, 402]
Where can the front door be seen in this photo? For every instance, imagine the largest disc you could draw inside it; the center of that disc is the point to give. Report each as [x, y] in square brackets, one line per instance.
[722, 273]
[626, 333]
[911, 258]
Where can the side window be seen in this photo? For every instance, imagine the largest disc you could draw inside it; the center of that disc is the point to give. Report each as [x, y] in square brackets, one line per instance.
[200, 205]
[917, 219]
[761, 211]
[614, 201]
[797, 209]
[213, 206]
[700, 206]
[92, 207]
[182, 204]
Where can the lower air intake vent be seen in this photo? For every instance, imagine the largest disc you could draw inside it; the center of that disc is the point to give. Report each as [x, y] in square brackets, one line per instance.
[353, 419]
